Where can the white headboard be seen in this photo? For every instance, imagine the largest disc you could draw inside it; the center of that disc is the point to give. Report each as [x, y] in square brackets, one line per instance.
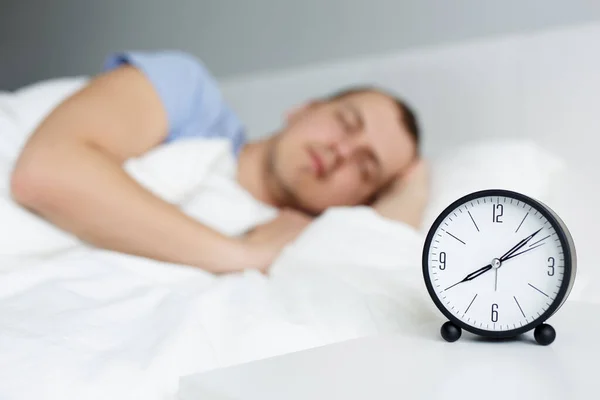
[544, 86]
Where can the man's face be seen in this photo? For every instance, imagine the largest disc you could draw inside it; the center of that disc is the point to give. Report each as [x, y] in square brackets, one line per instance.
[341, 152]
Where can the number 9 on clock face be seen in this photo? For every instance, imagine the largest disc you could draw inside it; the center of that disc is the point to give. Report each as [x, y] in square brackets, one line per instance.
[498, 263]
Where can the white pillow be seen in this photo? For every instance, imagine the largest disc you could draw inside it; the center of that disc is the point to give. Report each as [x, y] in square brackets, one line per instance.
[520, 165]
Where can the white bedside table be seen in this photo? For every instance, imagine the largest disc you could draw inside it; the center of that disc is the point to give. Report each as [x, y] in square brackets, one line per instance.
[424, 367]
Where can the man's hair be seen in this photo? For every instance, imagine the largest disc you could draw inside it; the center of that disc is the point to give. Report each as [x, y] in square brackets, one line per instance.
[408, 116]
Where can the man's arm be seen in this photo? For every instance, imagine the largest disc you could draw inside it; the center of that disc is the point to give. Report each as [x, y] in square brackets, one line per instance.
[70, 172]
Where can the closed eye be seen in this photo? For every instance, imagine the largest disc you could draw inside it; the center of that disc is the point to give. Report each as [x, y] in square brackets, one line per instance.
[369, 169]
[350, 119]
[345, 122]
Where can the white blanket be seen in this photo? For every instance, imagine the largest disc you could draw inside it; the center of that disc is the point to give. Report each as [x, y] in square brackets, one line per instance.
[94, 324]
[81, 323]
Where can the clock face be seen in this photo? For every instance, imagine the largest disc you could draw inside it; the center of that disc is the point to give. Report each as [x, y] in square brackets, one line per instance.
[497, 263]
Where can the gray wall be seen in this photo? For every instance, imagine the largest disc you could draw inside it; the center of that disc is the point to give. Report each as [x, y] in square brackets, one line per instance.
[41, 39]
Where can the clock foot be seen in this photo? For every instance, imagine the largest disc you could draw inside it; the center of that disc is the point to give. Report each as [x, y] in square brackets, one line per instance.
[544, 334]
[450, 332]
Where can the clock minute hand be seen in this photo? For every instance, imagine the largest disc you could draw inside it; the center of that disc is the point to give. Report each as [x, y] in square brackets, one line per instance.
[472, 275]
[518, 246]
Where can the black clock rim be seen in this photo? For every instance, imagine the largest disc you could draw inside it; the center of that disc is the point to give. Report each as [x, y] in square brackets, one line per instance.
[562, 292]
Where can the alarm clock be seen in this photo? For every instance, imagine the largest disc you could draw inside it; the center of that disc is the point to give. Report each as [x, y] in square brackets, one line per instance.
[498, 263]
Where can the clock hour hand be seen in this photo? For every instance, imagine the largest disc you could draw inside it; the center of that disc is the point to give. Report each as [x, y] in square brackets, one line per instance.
[473, 275]
[509, 254]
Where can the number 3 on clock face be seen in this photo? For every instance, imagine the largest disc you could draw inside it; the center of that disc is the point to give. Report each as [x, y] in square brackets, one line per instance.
[498, 263]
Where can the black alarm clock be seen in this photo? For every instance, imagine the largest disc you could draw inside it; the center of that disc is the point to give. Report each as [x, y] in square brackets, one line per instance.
[498, 263]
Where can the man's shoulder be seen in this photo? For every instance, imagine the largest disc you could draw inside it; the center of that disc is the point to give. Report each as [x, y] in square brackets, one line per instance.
[170, 65]
[189, 92]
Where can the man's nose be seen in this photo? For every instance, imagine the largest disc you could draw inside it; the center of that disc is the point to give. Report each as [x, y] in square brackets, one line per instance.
[344, 149]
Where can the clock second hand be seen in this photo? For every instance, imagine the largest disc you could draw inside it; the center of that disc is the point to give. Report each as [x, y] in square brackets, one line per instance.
[496, 280]
[524, 251]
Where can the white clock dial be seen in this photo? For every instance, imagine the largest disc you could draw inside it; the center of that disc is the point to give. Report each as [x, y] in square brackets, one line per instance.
[477, 278]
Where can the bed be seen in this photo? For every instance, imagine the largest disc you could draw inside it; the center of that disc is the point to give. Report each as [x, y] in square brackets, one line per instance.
[78, 322]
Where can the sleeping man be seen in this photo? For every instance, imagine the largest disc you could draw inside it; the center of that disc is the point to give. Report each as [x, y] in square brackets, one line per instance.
[357, 147]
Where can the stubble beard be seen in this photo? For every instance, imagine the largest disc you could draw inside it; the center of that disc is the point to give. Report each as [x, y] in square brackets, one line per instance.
[284, 193]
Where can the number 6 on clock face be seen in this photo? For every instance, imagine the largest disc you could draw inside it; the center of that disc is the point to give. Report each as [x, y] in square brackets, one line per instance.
[498, 263]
